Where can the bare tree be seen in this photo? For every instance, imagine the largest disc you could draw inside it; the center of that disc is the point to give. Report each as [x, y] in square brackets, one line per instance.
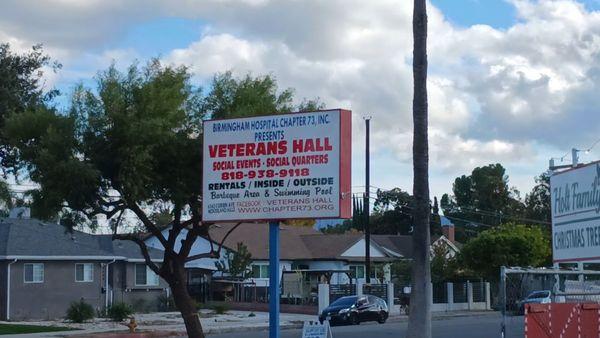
[419, 324]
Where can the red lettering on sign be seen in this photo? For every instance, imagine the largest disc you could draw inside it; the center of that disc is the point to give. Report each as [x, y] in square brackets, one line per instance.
[248, 149]
[311, 145]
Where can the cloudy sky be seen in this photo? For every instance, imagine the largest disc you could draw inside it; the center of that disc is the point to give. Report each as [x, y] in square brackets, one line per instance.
[512, 81]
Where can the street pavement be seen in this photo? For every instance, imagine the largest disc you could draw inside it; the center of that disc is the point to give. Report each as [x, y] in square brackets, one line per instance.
[485, 326]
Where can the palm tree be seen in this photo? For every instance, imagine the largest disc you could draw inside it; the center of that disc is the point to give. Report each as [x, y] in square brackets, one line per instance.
[419, 325]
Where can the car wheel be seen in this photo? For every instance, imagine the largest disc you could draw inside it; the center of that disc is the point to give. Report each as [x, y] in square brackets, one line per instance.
[354, 319]
[382, 318]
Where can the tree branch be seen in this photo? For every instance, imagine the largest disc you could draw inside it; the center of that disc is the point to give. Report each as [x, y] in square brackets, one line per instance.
[100, 211]
[188, 242]
[212, 253]
[175, 227]
[194, 232]
[227, 235]
[150, 226]
[143, 248]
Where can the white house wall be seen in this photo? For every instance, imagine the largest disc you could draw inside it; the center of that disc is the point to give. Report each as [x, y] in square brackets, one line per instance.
[337, 278]
[261, 282]
[358, 250]
[201, 245]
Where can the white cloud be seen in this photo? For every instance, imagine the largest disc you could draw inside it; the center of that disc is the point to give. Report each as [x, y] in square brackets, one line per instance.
[219, 53]
[494, 95]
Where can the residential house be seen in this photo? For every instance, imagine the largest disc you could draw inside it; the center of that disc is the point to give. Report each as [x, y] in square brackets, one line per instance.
[199, 271]
[330, 258]
[304, 248]
[308, 249]
[43, 268]
[447, 239]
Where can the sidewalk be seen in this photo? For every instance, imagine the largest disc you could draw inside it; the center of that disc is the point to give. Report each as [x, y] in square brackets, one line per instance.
[170, 324]
[445, 315]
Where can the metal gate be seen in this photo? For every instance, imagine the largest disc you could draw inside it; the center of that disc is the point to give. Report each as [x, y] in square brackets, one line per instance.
[379, 290]
[340, 290]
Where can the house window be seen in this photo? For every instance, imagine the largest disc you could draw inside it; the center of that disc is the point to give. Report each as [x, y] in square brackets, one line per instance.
[195, 277]
[376, 271]
[260, 271]
[84, 272]
[144, 276]
[358, 271]
[34, 273]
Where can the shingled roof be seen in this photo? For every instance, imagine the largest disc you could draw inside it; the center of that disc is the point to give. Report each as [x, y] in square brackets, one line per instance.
[305, 243]
[256, 237]
[34, 238]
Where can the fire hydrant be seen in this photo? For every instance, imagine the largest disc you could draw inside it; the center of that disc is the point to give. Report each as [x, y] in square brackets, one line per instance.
[132, 325]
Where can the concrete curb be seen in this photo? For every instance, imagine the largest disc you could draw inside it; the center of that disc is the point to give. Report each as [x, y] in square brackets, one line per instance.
[444, 315]
[217, 330]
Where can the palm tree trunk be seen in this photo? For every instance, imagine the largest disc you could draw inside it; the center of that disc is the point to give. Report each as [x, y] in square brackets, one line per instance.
[419, 325]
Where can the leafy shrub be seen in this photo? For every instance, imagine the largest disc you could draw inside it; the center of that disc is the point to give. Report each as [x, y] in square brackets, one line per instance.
[119, 311]
[79, 312]
[220, 309]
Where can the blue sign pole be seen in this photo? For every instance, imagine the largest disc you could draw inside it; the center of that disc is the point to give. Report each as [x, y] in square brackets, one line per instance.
[274, 291]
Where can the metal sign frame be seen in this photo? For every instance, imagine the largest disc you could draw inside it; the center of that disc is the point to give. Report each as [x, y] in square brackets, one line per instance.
[344, 205]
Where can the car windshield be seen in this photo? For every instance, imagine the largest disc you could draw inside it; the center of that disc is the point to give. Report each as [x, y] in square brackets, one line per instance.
[344, 301]
[539, 294]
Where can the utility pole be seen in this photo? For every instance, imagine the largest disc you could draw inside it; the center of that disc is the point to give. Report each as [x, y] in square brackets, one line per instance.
[366, 204]
[575, 157]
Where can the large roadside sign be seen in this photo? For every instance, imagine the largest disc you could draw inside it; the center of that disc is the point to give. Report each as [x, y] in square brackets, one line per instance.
[277, 167]
[575, 198]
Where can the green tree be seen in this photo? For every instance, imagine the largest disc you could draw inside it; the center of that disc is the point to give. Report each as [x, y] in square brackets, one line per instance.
[480, 200]
[342, 228]
[236, 263]
[435, 222]
[402, 271]
[131, 144]
[21, 88]
[357, 223]
[305, 222]
[6, 201]
[443, 266]
[419, 324]
[508, 245]
[392, 212]
[537, 202]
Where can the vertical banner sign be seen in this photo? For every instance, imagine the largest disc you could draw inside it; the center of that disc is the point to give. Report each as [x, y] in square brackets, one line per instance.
[277, 167]
[575, 198]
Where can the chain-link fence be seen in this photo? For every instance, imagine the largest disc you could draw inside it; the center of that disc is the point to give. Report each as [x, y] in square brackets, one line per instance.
[520, 286]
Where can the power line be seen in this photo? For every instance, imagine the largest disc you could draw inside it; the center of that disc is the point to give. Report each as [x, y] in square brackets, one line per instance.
[592, 146]
[586, 150]
[499, 215]
[469, 221]
[560, 158]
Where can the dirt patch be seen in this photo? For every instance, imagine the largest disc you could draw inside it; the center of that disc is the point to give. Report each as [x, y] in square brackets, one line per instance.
[141, 334]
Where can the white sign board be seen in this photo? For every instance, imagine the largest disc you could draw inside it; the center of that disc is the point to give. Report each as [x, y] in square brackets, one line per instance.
[277, 167]
[316, 330]
[575, 198]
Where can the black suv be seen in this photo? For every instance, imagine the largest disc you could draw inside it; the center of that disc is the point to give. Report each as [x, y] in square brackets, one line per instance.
[354, 310]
